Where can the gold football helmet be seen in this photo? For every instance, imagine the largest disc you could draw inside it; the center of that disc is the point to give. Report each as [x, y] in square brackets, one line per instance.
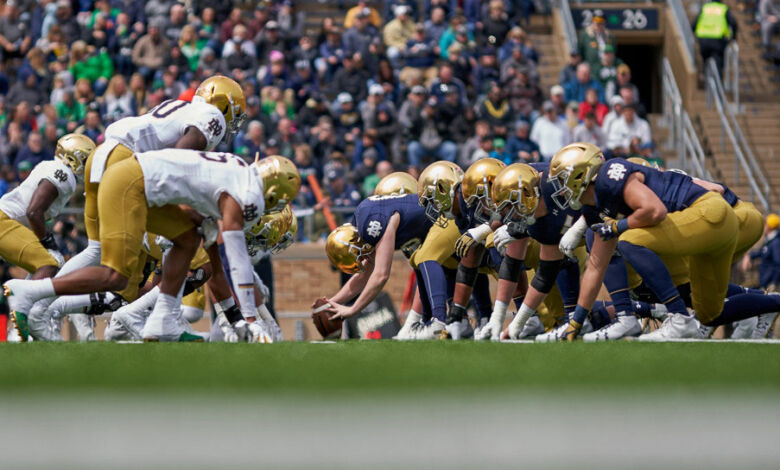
[436, 190]
[640, 161]
[270, 229]
[396, 184]
[288, 238]
[516, 193]
[572, 169]
[346, 250]
[281, 181]
[73, 150]
[476, 185]
[227, 96]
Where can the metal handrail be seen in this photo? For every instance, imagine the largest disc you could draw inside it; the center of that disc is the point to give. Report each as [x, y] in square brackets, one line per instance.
[731, 74]
[682, 135]
[757, 181]
[681, 18]
[568, 25]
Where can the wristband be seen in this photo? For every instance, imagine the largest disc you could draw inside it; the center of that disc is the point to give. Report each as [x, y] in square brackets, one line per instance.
[622, 225]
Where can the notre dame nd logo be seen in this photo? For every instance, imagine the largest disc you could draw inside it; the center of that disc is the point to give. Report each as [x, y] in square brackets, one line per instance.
[214, 127]
[250, 212]
[60, 175]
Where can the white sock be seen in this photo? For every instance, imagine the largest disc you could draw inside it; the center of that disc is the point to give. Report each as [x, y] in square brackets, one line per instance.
[412, 317]
[499, 308]
[525, 313]
[90, 256]
[71, 304]
[146, 301]
[40, 289]
[165, 305]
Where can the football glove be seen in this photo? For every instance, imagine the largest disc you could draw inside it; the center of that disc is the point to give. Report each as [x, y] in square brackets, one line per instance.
[502, 238]
[572, 238]
[518, 323]
[610, 228]
[252, 332]
[492, 330]
[470, 238]
[194, 281]
[229, 333]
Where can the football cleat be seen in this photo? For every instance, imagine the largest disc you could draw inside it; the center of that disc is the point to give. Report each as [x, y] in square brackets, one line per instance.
[676, 326]
[458, 330]
[41, 322]
[743, 329]
[163, 327]
[85, 326]
[764, 324]
[19, 304]
[115, 331]
[659, 312]
[624, 325]
[432, 330]
[413, 321]
[131, 321]
[556, 334]
[532, 328]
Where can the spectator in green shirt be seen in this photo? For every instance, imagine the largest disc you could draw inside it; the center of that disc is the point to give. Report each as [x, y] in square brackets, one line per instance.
[71, 110]
[95, 66]
[383, 169]
[191, 46]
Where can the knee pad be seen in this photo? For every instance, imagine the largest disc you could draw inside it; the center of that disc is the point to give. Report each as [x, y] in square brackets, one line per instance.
[544, 280]
[510, 269]
[466, 275]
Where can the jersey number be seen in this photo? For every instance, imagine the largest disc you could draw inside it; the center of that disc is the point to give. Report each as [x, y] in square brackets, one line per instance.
[222, 158]
[166, 108]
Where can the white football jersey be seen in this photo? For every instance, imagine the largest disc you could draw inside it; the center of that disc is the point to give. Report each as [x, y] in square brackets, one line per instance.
[177, 176]
[164, 125]
[15, 203]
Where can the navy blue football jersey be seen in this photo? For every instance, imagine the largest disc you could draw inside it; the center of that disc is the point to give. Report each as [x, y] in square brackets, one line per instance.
[373, 214]
[465, 220]
[675, 190]
[729, 195]
[547, 229]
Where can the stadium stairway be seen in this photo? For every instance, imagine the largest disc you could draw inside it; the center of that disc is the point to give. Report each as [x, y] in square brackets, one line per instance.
[760, 120]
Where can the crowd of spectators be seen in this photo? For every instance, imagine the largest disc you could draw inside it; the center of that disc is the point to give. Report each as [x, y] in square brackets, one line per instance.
[383, 86]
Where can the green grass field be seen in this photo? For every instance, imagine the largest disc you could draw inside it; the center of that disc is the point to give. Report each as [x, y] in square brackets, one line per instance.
[385, 366]
[389, 405]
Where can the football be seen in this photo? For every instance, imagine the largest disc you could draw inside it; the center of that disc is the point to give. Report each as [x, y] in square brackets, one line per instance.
[322, 322]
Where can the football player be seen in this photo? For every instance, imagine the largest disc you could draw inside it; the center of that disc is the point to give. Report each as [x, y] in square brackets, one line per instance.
[664, 213]
[24, 212]
[216, 111]
[140, 194]
[523, 199]
[364, 248]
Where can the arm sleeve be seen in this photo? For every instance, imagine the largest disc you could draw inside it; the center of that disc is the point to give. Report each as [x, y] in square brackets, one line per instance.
[241, 272]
